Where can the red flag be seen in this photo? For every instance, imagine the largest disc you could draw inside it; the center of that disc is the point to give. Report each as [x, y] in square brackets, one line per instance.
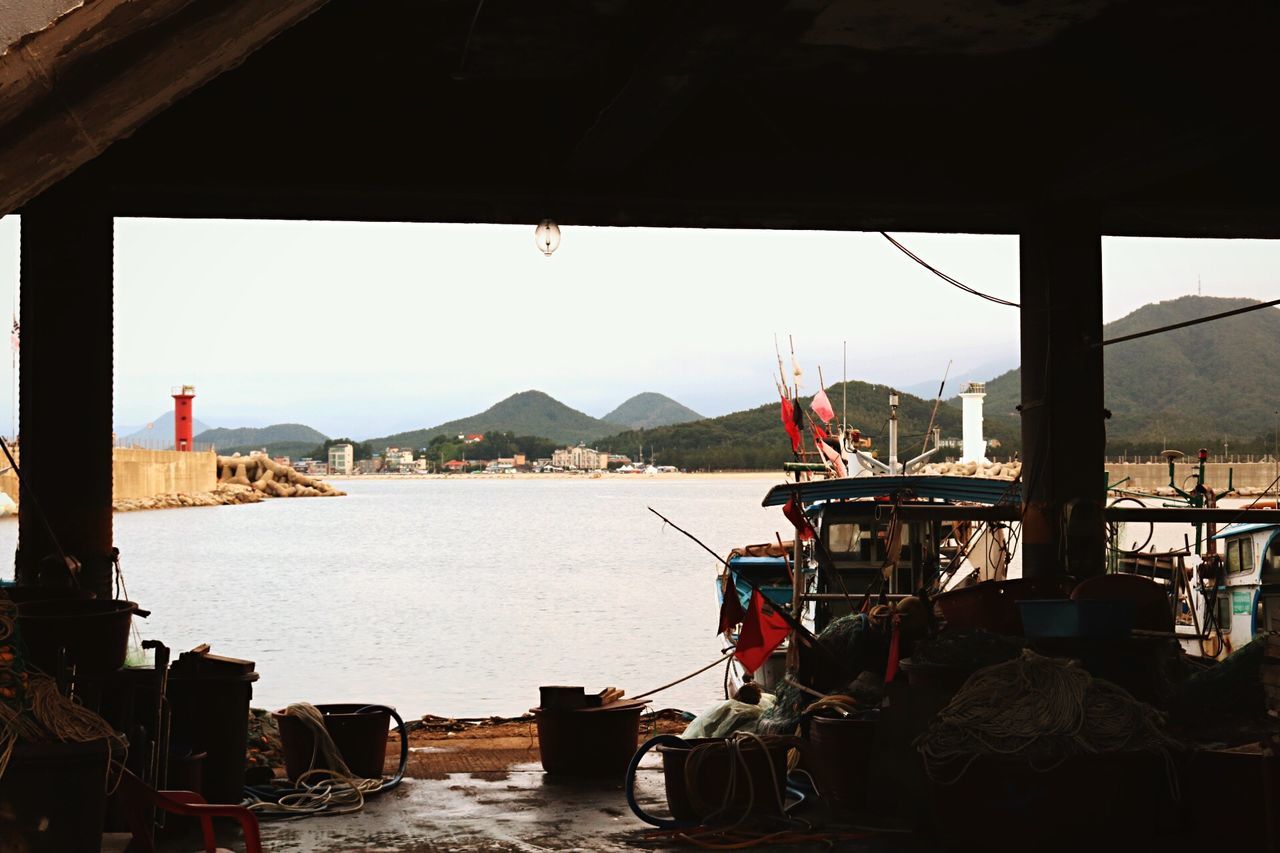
[819, 433]
[763, 630]
[789, 422]
[804, 529]
[731, 612]
[822, 406]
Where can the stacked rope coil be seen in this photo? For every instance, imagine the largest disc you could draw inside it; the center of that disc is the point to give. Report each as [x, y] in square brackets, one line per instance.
[327, 787]
[1040, 710]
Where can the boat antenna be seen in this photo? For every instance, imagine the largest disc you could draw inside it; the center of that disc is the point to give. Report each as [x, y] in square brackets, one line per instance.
[936, 402]
[844, 387]
[795, 365]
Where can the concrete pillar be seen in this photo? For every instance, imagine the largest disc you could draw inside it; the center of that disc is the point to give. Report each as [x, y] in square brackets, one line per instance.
[1063, 432]
[66, 376]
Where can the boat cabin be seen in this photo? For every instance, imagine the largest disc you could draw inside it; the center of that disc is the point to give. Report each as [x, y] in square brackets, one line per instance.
[1247, 599]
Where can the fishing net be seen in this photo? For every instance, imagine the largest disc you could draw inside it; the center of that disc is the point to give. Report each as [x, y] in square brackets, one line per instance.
[854, 639]
[967, 650]
[1039, 710]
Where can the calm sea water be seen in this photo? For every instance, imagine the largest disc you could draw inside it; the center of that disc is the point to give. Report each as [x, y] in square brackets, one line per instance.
[451, 597]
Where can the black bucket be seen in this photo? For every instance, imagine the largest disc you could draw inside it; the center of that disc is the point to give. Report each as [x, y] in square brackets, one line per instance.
[838, 752]
[590, 741]
[696, 789]
[88, 634]
[57, 793]
[358, 731]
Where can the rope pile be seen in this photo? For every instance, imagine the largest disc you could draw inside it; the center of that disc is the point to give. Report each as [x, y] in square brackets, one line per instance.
[327, 787]
[1041, 710]
[32, 710]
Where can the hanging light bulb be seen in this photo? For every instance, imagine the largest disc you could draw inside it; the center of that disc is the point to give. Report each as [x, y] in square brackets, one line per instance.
[547, 237]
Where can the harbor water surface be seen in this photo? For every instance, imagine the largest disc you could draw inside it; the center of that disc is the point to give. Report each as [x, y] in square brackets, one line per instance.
[451, 597]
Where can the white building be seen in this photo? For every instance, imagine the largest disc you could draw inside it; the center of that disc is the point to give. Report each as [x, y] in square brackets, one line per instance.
[342, 459]
[581, 457]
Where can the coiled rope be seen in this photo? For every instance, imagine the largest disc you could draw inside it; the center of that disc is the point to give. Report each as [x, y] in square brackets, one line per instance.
[1043, 710]
[328, 786]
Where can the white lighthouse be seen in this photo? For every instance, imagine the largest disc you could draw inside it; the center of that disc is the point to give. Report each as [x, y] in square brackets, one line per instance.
[975, 446]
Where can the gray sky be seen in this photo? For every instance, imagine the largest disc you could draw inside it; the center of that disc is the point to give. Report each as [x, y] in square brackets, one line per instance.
[366, 329]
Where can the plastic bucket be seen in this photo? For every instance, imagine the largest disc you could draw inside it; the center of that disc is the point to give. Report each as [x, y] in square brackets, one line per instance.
[57, 795]
[696, 788]
[838, 752]
[359, 732]
[589, 742]
[90, 635]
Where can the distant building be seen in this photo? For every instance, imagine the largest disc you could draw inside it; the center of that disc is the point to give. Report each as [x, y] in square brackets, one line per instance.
[369, 466]
[342, 459]
[398, 460]
[456, 465]
[307, 465]
[471, 437]
[582, 458]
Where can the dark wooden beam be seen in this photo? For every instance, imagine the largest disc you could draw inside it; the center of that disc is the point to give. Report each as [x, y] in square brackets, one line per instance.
[1063, 439]
[66, 391]
[707, 44]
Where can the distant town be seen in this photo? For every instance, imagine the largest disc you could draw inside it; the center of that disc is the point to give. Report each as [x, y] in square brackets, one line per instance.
[399, 460]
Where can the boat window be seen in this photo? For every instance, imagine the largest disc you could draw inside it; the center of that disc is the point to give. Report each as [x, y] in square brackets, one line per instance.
[844, 537]
[1271, 561]
[1224, 610]
[1239, 555]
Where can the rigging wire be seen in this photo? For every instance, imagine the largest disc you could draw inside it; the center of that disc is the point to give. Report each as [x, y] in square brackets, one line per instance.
[948, 279]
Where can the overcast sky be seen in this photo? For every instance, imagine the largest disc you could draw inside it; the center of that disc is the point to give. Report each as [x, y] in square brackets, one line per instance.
[365, 329]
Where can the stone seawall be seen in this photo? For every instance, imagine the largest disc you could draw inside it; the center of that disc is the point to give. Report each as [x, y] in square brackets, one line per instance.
[1145, 476]
[139, 474]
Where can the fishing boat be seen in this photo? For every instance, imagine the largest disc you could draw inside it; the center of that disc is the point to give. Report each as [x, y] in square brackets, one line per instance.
[1223, 586]
[879, 531]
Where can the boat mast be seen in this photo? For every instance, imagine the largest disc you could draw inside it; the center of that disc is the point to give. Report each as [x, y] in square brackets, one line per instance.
[893, 433]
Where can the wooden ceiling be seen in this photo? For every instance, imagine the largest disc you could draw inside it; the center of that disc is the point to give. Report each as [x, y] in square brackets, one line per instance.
[822, 114]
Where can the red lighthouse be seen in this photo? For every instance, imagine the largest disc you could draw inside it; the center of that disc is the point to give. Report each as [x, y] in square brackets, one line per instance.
[182, 423]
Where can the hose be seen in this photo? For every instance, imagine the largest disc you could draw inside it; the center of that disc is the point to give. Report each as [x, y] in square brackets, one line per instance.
[630, 784]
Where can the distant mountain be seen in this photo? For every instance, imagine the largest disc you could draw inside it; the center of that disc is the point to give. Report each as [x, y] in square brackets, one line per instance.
[526, 413]
[928, 389]
[650, 409]
[1189, 387]
[160, 435]
[226, 440]
[755, 438]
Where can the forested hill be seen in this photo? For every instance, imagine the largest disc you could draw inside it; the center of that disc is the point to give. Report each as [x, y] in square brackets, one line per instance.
[527, 413]
[1191, 387]
[261, 436]
[755, 438]
[651, 409]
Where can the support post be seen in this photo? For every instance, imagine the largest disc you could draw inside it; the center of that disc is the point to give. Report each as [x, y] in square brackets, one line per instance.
[66, 389]
[1063, 430]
